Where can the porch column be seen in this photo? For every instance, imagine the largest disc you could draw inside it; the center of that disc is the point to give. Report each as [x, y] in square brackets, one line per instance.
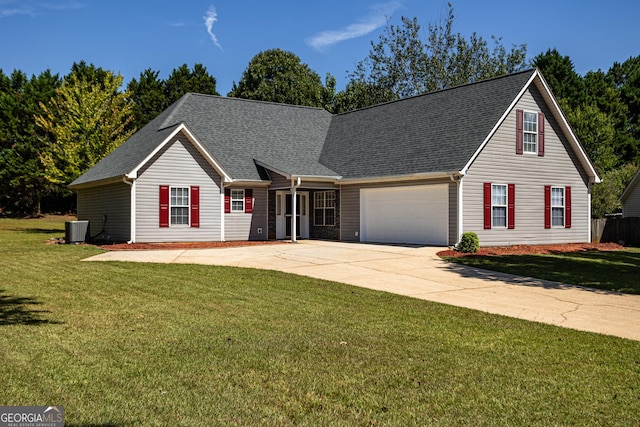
[294, 209]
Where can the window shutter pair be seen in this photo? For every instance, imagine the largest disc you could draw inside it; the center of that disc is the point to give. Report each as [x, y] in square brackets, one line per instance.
[248, 200]
[520, 133]
[511, 206]
[547, 207]
[194, 200]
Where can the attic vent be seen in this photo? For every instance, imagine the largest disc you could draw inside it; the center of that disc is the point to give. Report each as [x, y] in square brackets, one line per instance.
[76, 231]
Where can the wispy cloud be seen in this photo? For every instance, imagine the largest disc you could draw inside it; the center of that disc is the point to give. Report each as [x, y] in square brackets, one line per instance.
[209, 19]
[376, 18]
[33, 8]
[12, 8]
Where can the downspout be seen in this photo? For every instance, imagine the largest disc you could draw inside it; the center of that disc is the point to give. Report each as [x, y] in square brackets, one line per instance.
[590, 235]
[132, 219]
[222, 212]
[459, 194]
[294, 208]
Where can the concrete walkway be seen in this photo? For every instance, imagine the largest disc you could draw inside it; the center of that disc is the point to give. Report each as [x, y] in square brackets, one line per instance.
[419, 273]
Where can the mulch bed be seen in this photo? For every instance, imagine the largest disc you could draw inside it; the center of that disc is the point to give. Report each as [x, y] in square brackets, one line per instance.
[536, 249]
[486, 251]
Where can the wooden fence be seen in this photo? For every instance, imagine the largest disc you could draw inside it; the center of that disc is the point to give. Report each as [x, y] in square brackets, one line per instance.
[616, 230]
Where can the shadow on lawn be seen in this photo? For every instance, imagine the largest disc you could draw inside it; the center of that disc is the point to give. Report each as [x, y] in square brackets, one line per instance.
[560, 282]
[39, 230]
[18, 311]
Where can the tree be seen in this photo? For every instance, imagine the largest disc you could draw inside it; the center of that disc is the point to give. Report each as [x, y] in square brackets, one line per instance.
[86, 122]
[280, 76]
[560, 73]
[22, 182]
[152, 95]
[596, 132]
[149, 97]
[605, 197]
[359, 94]
[626, 77]
[406, 65]
[182, 80]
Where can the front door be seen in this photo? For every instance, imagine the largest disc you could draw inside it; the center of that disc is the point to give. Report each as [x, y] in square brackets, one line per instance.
[284, 215]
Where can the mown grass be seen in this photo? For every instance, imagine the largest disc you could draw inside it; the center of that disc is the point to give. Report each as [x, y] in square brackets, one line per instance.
[608, 270]
[125, 344]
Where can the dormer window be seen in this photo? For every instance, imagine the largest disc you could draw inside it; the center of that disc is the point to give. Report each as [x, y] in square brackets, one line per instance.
[530, 132]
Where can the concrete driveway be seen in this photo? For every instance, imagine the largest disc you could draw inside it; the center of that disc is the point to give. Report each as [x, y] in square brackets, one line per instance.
[419, 273]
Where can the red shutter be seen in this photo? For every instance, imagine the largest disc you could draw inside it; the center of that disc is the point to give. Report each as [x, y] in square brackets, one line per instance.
[511, 206]
[248, 200]
[567, 207]
[227, 200]
[195, 206]
[519, 131]
[164, 206]
[487, 205]
[540, 134]
[547, 206]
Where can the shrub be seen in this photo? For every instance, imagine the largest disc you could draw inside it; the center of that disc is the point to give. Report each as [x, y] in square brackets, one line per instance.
[469, 243]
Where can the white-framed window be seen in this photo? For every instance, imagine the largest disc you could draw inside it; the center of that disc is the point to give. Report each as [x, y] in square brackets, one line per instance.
[237, 200]
[324, 204]
[530, 136]
[499, 205]
[557, 207]
[179, 205]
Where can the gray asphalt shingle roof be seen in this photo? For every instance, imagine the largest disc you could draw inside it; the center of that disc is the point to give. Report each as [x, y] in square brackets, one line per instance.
[435, 132]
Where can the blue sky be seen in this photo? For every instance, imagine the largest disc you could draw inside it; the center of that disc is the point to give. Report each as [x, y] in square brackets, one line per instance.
[330, 35]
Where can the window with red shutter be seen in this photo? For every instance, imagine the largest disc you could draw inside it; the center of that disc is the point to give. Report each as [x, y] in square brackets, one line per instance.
[511, 210]
[519, 131]
[541, 134]
[567, 207]
[227, 200]
[487, 205]
[164, 206]
[248, 200]
[195, 206]
[547, 206]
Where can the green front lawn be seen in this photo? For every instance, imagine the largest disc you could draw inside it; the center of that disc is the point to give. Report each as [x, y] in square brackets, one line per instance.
[125, 344]
[611, 270]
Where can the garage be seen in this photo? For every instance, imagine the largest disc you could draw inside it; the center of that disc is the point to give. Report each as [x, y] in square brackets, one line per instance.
[408, 214]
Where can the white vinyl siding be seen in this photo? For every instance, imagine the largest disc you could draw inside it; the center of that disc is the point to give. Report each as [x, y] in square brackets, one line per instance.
[498, 163]
[248, 226]
[178, 165]
[108, 210]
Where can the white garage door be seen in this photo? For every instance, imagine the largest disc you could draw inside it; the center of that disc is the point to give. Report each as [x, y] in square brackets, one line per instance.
[416, 214]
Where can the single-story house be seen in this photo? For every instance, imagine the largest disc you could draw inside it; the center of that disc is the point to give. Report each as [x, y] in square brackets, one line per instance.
[631, 198]
[496, 157]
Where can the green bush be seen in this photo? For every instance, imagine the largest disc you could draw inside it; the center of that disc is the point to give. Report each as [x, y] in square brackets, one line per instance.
[469, 243]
